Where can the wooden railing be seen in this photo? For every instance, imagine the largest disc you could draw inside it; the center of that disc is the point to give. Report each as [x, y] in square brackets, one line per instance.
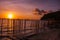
[24, 26]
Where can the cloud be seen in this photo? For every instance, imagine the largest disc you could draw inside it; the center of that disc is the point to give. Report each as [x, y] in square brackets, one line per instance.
[28, 5]
[16, 6]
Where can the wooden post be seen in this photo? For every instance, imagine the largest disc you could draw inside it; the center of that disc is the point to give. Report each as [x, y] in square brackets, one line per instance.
[25, 26]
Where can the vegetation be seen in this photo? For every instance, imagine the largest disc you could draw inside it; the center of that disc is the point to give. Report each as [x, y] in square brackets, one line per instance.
[55, 18]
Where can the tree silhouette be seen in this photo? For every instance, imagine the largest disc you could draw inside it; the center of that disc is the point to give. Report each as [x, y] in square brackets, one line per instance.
[54, 16]
[51, 16]
[36, 11]
[43, 11]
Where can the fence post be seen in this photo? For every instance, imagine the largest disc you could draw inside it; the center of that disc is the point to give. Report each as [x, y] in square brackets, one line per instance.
[25, 26]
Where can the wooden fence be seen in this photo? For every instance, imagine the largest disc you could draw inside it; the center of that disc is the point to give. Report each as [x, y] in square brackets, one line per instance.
[23, 26]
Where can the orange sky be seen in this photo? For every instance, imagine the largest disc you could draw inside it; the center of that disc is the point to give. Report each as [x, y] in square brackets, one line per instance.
[19, 16]
[22, 9]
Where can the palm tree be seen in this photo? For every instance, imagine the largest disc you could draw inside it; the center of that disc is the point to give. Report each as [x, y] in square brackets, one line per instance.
[36, 11]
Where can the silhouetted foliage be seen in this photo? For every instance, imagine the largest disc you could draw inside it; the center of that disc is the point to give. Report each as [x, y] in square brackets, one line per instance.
[43, 11]
[51, 16]
[54, 16]
[37, 11]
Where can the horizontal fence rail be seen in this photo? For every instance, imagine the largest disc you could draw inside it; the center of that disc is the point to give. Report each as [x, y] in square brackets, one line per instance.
[25, 26]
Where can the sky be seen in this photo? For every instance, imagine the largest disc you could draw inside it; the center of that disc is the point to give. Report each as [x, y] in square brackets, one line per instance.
[26, 7]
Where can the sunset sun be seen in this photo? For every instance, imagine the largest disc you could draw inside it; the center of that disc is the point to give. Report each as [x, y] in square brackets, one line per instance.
[10, 15]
